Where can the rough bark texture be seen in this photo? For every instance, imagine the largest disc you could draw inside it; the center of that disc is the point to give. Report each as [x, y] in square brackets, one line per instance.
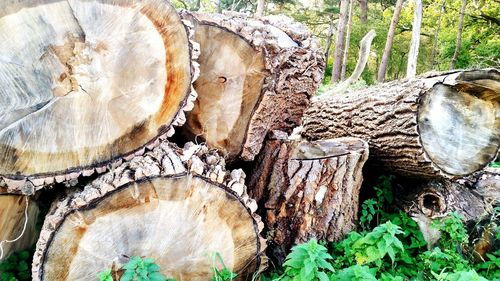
[340, 41]
[16, 211]
[192, 182]
[388, 43]
[458, 42]
[270, 92]
[444, 125]
[411, 69]
[308, 189]
[74, 104]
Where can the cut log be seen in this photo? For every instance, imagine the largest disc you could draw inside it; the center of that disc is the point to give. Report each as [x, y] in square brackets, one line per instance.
[434, 126]
[153, 207]
[308, 189]
[256, 75]
[18, 217]
[473, 198]
[85, 83]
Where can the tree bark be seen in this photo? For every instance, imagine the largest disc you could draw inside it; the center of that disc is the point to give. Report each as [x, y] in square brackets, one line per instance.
[340, 41]
[146, 207]
[458, 42]
[411, 69]
[388, 43]
[308, 189]
[363, 5]
[442, 125]
[256, 75]
[345, 58]
[85, 91]
[18, 217]
[261, 7]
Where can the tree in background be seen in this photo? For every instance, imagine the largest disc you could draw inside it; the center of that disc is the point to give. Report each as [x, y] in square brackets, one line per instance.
[458, 43]
[390, 38]
[411, 69]
[340, 41]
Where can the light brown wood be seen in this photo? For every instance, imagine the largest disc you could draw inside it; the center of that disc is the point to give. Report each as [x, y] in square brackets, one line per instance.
[178, 206]
[433, 126]
[256, 75]
[87, 82]
[308, 189]
[18, 217]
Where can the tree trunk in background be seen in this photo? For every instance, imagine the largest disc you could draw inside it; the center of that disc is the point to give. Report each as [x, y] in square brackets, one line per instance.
[340, 41]
[434, 51]
[363, 55]
[388, 43]
[250, 82]
[458, 43]
[363, 5]
[261, 7]
[331, 29]
[308, 189]
[425, 127]
[345, 59]
[411, 69]
[219, 6]
[14, 215]
[146, 206]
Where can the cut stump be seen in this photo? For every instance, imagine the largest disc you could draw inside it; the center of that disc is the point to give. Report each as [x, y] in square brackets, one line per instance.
[256, 75]
[85, 83]
[434, 126]
[308, 190]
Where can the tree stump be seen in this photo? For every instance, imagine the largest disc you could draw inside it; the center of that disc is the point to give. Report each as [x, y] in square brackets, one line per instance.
[18, 217]
[256, 75]
[308, 189]
[85, 83]
[153, 206]
[433, 126]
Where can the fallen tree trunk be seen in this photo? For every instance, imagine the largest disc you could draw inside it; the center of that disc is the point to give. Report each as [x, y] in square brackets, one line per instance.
[18, 217]
[87, 84]
[153, 206]
[256, 75]
[445, 125]
[308, 189]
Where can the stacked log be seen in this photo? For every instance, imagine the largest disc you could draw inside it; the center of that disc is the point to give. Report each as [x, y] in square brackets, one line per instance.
[155, 205]
[257, 75]
[80, 95]
[434, 126]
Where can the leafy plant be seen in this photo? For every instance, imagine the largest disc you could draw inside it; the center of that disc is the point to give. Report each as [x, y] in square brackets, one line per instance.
[223, 274]
[105, 275]
[307, 262]
[136, 269]
[16, 267]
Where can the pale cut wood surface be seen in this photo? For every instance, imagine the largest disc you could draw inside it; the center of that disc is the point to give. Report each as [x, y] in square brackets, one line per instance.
[438, 125]
[86, 82]
[12, 221]
[308, 189]
[257, 75]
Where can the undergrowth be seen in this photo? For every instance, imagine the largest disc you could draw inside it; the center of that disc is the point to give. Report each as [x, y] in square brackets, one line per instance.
[389, 246]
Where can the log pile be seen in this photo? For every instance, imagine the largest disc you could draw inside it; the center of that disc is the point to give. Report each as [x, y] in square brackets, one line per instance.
[92, 90]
